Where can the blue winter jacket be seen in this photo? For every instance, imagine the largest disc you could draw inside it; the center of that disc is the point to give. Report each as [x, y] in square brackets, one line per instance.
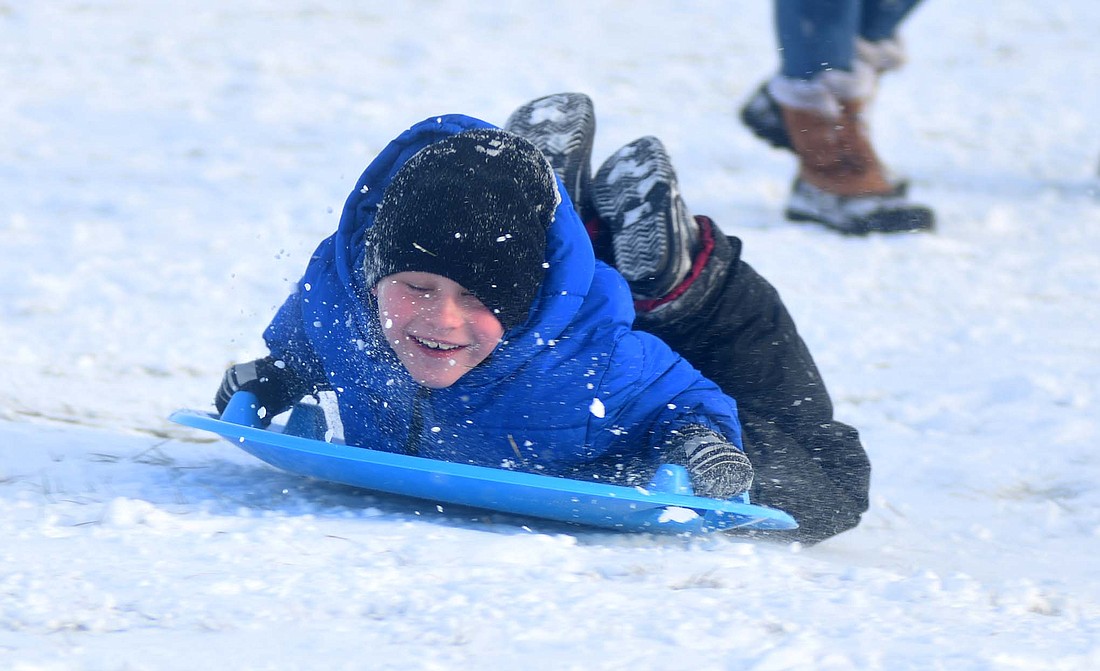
[572, 391]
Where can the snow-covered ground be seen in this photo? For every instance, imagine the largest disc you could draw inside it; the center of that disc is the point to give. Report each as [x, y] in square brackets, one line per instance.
[166, 169]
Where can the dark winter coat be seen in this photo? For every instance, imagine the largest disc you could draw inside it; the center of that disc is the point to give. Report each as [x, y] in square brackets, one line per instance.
[571, 388]
[805, 461]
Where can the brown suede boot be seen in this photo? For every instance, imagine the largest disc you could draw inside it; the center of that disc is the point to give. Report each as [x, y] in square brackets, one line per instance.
[841, 181]
[836, 155]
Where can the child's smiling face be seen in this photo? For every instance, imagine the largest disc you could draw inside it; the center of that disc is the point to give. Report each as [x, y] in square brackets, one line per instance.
[437, 328]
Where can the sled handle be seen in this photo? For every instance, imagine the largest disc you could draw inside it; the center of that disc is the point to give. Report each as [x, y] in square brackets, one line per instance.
[671, 479]
[674, 479]
[243, 409]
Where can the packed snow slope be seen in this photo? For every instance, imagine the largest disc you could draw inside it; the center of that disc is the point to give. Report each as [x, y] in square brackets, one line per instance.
[166, 169]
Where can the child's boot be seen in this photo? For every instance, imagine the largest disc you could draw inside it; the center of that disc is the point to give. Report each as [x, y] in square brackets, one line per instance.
[653, 236]
[562, 126]
[672, 261]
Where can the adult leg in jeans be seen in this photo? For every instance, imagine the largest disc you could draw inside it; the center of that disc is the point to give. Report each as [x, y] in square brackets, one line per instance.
[832, 52]
[879, 19]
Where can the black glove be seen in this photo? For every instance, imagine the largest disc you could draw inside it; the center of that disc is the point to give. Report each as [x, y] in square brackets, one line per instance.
[275, 386]
[718, 469]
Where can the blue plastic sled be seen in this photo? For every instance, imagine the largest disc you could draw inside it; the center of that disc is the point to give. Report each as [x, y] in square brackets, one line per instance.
[665, 506]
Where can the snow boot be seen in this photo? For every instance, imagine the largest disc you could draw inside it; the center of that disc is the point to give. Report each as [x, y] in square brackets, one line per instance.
[653, 237]
[761, 112]
[841, 182]
[762, 115]
[857, 215]
[562, 126]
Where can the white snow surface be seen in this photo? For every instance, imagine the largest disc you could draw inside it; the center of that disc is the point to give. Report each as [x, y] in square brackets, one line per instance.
[167, 168]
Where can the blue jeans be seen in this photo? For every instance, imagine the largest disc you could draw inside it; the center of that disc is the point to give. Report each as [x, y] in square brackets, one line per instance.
[819, 35]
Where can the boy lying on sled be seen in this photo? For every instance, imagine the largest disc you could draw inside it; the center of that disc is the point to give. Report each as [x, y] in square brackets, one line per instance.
[459, 313]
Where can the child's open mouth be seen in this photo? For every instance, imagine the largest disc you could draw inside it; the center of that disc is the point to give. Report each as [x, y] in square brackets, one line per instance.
[435, 346]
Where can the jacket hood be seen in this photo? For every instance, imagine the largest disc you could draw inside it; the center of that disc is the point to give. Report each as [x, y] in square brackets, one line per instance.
[569, 254]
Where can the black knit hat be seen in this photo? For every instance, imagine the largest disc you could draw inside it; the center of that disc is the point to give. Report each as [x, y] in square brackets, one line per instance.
[474, 208]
